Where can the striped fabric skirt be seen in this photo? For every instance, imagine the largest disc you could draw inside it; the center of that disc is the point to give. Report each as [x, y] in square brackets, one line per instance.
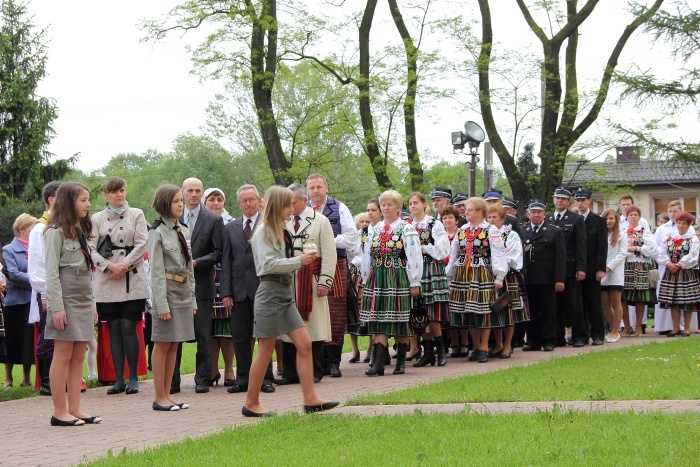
[518, 311]
[637, 287]
[221, 317]
[386, 302]
[680, 290]
[434, 288]
[471, 292]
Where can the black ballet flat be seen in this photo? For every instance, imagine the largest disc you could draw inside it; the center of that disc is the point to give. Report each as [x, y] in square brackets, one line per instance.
[92, 420]
[165, 408]
[58, 422]
[249, 413]
[673, 334]
[132, 390]
[354, 359]
[365, 360]
[507, 355]
[112, 391]
[229, 382]
[320, 408]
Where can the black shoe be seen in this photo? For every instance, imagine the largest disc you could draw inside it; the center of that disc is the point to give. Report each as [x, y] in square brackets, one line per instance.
[366, 359]
[474, 356]
[532, 348]
[92, 420]
[428, 357]
[402, 350]
[201, 388]
[335, 371]
[320, 408]
[267, 387]
[114, 390]
[183, 405]
[441, 351]
[249, 413]
[58, 422]
[547, 348]
[507, 355]
[597, 342]
[229, 382]
[495, 354]
[568, 342]
[483, 356]
[579, 343]
[236, 388]
[165, 408]
[664, 333]
[378, 360]
[174, 389]
[132, 390]
[214, 380]
[317, 380]
[284, 381]
[354, 359]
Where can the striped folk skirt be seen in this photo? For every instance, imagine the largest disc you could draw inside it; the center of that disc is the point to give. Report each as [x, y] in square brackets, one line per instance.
[386, 302]
[637, 287]
[680, 290]
[434, 288]
[471, 292]
[518, 311]
[221, 317]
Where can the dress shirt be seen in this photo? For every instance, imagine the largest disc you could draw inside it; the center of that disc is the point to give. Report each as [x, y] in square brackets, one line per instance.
[348, 238]
[36, 269]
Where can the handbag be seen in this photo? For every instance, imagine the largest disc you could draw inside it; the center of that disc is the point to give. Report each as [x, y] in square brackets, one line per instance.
[654, 277]
[104, 246]
[501, 302]
[419, 314]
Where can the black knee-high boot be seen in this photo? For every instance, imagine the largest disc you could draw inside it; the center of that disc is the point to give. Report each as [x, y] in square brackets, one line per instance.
[379, 352]
[400, 367]
[43, 367]
[428, 357]
[441, 352]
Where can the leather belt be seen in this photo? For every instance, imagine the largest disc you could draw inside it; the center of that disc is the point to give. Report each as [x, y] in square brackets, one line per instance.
[285, 279]
[175, 277]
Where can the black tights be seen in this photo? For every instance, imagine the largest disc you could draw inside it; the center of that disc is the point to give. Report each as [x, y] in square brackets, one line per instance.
[124, 341]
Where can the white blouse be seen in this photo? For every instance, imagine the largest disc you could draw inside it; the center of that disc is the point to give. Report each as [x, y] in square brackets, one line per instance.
[615, 261]
[514, 248]
[441, 248]
[499, 264]
[690, 259]
[411, 247]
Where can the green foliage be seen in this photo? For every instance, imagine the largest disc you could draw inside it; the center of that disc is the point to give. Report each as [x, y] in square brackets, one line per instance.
[25, 117]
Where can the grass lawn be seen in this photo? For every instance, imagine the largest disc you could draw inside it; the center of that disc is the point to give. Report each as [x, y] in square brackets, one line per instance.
[188, 366]
[668, 370]
[544, 438]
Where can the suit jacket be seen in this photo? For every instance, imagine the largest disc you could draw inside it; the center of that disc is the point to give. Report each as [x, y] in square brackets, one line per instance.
[20, 290]
[596, 244]
[206, 251]
[571, 224]
[238, 278]
[544, 255]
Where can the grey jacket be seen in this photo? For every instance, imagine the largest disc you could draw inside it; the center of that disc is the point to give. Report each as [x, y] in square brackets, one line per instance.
[126, 227]
[61, 252]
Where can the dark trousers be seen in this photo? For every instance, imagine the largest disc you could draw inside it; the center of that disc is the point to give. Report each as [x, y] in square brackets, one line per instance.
[570, 312]
[289, 358]
[541, 329]
[202, 333]
[44, 347]
[242, 320]
[594, 320]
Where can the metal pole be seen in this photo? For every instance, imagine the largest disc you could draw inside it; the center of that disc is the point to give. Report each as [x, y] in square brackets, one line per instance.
[472, 175]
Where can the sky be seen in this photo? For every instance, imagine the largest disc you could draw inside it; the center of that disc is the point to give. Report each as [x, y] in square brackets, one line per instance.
[116, 94]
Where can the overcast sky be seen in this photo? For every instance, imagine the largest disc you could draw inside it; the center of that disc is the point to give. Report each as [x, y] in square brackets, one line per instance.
[116, 94]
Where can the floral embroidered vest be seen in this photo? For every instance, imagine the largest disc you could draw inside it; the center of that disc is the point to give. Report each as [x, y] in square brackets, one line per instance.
[426, 237]
[634, 238]
[474, 246]
[677, 247]
[387, 248]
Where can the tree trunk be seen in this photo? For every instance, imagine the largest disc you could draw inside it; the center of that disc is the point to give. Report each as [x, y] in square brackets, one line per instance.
[370, 143]
[409, 104]
[263, 61]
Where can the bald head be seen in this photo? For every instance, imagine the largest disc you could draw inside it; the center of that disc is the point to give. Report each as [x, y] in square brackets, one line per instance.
[192, 190]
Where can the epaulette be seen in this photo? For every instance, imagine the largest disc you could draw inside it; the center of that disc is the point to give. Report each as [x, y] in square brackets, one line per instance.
[155, 224]
[54, 226]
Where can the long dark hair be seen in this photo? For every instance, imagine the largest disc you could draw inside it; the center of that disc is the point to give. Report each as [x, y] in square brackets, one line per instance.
[63, 213]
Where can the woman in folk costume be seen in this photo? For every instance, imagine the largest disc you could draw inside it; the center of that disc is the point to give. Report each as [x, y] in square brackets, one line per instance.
[392, 266]
[478, 266]
[517, 311]
[641, 251]
[680, 287]
[435, 246]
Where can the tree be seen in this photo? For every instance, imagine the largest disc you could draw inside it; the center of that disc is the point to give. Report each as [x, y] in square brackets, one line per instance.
[680, 29]
[562, 125]
[25, 117]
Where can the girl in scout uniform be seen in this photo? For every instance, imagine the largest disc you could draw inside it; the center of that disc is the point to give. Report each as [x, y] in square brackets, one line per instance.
[172, 291]
[72, 314]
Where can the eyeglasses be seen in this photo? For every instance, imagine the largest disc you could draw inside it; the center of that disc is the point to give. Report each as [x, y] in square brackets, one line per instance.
[248, 200]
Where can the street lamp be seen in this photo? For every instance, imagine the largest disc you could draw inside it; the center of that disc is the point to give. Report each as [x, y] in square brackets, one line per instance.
[472, 136]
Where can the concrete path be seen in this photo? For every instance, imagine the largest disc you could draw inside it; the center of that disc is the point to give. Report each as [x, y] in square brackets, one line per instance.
[129, 422]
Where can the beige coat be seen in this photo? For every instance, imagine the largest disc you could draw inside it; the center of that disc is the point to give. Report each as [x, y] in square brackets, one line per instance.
[316, 226]
[126, 227]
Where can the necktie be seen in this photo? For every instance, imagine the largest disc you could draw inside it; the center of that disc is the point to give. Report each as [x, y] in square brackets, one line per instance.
[191, 220]
[297, 223]
[247, 231]
[183, 245]
[537, 227]
[558, 217]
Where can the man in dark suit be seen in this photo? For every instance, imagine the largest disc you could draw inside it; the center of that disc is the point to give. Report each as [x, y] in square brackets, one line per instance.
[206, 230]
[495, 196]
[596, 258]
[543, 251]
[239, 283]
[569, 305]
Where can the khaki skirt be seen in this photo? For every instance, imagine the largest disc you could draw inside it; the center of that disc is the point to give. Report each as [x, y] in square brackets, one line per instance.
[76, 287]
[275, 311]
[180, 326]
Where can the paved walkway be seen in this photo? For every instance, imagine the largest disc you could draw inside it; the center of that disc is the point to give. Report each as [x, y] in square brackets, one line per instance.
[27, 439]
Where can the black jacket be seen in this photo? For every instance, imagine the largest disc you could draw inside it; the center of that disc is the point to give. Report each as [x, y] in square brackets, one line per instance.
[596, 244]
[206, 251]
[544, 254]
[574, 229]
